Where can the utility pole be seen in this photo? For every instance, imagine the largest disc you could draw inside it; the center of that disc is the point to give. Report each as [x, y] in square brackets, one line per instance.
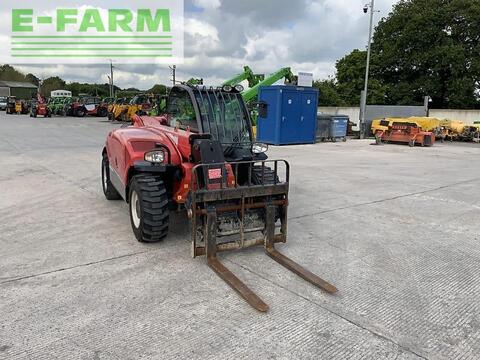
[363, 107]
[111, 79]
[174, 70]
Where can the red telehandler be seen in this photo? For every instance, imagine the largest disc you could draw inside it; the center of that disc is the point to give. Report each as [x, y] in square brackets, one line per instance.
[199, 155]
[39, 107]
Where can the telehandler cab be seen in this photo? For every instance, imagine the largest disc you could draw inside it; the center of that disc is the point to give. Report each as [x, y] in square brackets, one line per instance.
[200, 156]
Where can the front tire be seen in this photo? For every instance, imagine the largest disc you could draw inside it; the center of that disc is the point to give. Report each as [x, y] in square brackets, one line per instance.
[148, 203]
[80, 112]
[102, 112]
[108, 189]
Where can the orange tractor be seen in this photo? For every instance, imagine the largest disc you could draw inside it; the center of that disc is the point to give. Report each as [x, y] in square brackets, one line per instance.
[404, 132]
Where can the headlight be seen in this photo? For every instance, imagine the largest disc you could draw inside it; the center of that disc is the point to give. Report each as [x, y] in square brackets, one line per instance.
[157, 156]
[259, 148]
[227, 88]
[239, 88]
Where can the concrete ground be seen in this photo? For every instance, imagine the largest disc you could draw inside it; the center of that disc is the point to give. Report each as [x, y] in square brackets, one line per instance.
[396, 229]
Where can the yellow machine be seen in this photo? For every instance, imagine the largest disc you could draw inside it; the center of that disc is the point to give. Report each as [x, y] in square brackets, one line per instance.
[453, 128]
[116, 109]
[18, 107]
[140, 103]
[426, 123]
[379, 125]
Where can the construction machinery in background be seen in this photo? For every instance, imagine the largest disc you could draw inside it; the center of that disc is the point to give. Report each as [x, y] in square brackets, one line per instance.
[140, 104]
[38, 107]
[428, 124]
[116, 109]
[248, 75]
[194, 81]
[470, 133]
[452, 128]
[10, 108]
[250, 95]
[88, 105]
[200, 156]
[404, 132]
[16, 106]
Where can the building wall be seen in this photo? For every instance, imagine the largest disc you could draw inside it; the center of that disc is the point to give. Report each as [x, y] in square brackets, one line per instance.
[22, 93]
[467, 116]
[4, 91]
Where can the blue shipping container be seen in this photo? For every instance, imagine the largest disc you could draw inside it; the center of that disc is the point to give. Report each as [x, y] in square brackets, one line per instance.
[291, 115]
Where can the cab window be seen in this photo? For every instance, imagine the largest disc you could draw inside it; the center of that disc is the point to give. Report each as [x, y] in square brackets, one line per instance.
[181, 110]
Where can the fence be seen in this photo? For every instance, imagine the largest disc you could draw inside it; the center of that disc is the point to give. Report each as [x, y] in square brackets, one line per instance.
[467, 116]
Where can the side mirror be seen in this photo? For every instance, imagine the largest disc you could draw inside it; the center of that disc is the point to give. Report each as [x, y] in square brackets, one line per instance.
[262, 109]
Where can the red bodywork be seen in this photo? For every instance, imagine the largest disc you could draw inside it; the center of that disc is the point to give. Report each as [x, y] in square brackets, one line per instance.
[42, 110]
[126, 146]
[89, 107]
[406, 133]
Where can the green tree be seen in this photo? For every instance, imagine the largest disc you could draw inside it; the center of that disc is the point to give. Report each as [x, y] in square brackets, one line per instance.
[328, 94]
[158, 89]
[351, 80]
[32, 79]
[9, 73]
[50, 84]
[429, 47]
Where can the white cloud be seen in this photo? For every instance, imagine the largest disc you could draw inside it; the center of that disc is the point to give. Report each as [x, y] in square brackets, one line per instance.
[207, 4]
[307, 35]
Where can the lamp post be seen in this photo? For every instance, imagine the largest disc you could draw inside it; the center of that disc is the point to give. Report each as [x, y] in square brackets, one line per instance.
[174, 74]
[363, 108]
[110, 78]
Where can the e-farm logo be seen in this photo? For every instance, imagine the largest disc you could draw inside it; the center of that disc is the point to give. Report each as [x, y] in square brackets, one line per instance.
[151, 32]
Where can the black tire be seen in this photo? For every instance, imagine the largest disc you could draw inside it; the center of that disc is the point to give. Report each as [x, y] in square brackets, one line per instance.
[108, 189]
[80, 112]
[268, 176]
[102, 112]
[148, 204]
[411, 143]
[110, 116]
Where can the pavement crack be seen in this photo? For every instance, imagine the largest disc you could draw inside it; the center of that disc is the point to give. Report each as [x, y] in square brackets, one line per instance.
[383, 200]
[72, 267]
[354, 323]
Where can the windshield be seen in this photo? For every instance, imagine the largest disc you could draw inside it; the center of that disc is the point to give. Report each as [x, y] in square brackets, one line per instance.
[224, 116]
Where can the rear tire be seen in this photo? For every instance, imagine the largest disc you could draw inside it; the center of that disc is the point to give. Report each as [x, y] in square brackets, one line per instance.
[80, 112]
[108, 189]
[148, 204]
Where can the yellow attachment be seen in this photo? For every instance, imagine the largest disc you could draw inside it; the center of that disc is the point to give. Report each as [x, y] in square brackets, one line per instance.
[453, 126]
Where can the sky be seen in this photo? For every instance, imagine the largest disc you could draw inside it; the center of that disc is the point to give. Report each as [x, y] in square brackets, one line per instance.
[221, 36]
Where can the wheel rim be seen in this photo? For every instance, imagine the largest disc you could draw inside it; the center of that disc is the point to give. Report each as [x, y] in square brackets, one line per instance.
[104, 176]
[135, 209]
